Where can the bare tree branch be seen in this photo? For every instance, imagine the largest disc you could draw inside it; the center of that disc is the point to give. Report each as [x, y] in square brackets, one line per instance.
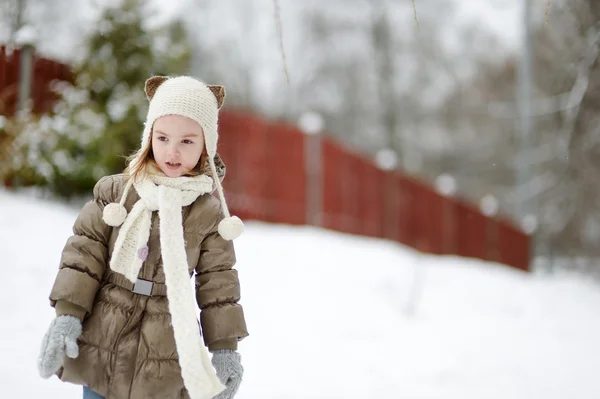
[280, 35]
[415, 11]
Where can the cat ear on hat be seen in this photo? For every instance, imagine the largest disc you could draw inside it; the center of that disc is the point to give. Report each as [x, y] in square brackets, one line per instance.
[219, 92]
[152, 84]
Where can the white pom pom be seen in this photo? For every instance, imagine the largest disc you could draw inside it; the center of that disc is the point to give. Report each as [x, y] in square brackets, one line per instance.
[114, 214]
[231, 228]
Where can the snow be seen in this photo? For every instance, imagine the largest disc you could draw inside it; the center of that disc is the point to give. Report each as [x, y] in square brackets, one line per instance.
[489, 205]
[311, 123]
[529, 223]
[26, 36]
[386, 159]
[328, 315]
[446, 184]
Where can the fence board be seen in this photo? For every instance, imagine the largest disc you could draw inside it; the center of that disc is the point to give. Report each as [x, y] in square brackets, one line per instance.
[286, 176]
[471, 232]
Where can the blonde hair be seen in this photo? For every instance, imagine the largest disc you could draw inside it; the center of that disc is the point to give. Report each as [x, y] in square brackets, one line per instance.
[141, 162]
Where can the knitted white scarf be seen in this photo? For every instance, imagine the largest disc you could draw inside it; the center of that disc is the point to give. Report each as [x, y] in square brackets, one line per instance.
[167, 196]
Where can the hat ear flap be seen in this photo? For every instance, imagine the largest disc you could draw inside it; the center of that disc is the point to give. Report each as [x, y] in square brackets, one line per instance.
[152, 85]
[219, 92]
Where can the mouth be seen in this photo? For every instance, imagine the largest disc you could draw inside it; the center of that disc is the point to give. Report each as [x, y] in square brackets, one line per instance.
[173, 165]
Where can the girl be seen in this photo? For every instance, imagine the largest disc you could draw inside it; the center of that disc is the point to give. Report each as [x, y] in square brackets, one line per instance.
[126, 326]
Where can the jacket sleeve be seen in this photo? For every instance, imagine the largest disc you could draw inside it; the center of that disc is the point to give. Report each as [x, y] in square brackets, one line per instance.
[218, 293]
[85, 254]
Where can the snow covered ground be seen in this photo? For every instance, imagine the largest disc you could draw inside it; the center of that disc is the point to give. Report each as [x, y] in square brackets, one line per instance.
[327, 317]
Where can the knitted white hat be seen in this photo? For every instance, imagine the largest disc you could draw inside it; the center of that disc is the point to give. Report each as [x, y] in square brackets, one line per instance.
[191, 98]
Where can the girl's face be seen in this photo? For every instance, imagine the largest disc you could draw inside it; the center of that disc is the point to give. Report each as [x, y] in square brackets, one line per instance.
[177, 144]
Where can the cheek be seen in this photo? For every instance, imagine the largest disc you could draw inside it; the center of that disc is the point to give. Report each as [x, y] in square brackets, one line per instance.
[158, 149]
[155, 148]
[192, 156]
[195, 150]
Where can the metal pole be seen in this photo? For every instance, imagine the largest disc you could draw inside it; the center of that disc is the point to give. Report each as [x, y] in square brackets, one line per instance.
[25, 78]
[525, 206]
[311, 124]
[524, 100]
[314, 183]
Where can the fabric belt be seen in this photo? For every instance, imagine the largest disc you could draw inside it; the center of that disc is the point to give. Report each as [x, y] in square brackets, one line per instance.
[142, 287]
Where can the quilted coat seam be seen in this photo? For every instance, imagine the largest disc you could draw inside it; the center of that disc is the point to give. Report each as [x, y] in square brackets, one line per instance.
[79, 269]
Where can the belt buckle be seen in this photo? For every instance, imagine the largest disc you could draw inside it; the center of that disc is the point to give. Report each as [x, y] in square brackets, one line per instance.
[143, 287]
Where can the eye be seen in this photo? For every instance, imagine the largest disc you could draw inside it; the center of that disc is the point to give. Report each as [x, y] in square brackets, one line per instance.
[186, 141]
[162, 138]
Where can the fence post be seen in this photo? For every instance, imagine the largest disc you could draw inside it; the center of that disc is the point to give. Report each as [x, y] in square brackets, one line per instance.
[391, 207]
[387, 160]
[311, 124]
[446, 186]
[489, 207]
[26, 40]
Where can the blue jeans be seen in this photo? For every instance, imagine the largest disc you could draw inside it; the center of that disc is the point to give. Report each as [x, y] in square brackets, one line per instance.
[89, 394]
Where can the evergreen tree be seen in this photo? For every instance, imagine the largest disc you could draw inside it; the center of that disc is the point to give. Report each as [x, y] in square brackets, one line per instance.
[98, 120]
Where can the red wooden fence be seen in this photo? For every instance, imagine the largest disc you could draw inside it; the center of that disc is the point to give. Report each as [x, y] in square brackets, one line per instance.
[44, 72]
[267, 180]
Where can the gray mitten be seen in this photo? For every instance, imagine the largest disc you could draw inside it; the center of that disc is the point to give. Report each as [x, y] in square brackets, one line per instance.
[60, 340]
[229, 369]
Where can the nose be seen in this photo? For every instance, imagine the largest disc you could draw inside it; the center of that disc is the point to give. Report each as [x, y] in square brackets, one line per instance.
[173, 150]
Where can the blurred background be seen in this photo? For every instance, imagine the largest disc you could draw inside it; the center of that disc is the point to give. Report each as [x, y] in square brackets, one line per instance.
[457, 137]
